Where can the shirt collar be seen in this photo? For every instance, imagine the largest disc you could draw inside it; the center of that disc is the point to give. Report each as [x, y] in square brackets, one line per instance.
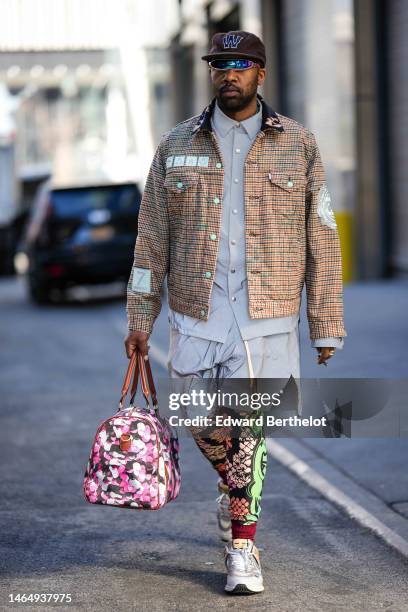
[270, 119]
[223, 124]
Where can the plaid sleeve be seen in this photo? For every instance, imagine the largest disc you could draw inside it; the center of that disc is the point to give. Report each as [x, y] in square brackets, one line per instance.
[151, 253]
[324, 285]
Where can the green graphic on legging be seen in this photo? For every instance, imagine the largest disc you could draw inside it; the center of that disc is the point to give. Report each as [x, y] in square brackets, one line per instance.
[254, 490]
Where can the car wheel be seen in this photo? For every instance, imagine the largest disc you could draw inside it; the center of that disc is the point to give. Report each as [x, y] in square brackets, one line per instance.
[39, 293]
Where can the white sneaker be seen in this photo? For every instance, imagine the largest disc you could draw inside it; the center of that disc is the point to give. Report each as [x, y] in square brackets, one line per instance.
[223, 512]
[244, 568]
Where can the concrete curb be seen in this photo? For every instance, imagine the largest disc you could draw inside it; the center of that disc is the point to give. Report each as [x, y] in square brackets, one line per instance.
[361, 505]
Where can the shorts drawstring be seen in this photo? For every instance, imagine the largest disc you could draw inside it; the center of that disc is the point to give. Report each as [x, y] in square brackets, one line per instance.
[250, 368]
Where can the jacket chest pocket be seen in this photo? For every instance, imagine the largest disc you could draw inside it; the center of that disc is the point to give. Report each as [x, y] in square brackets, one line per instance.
[181, 188]
[284, 194]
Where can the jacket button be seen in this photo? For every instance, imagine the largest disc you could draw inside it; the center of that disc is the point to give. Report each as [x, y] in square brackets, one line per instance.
[208, 275]
[218, 165]
[216, 200]
[290, 183]
[202, 312]
[179, 185]
[213, 236]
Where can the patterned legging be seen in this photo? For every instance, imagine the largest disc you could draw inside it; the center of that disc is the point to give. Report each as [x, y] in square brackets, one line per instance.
[239, 456]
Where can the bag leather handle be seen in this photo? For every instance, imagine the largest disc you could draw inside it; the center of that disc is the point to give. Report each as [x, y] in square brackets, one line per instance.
[128, 378]
[136, 364]
[147, 383]
[143, 383]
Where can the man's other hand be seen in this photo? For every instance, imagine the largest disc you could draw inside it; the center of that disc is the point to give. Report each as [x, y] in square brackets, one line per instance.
[325, 353]
[137, 339]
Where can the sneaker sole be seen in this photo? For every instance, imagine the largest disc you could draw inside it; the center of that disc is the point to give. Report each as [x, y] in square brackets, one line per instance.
[242, 589]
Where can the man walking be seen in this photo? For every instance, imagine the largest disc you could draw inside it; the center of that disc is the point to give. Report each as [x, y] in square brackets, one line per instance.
[237, 213]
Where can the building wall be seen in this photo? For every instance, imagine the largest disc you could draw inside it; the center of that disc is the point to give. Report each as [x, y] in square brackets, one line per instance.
[34, 25]
[397, 28]
[317, 47]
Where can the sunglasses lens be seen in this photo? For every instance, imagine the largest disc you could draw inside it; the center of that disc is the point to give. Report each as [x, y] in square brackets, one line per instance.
[231, 64]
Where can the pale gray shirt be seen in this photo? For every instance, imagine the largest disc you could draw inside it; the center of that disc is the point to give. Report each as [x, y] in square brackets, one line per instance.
[229, 296]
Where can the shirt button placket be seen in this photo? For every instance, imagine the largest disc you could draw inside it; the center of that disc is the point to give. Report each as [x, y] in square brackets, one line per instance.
[233, 251]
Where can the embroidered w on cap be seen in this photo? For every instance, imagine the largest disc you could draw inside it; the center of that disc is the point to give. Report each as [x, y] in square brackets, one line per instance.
[231, 41]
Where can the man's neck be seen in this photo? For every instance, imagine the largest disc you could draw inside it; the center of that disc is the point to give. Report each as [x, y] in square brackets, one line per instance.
[245, 113]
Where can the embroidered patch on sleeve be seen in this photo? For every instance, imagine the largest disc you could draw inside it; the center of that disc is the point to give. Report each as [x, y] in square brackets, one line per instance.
[142, 280]
[169, 161]
[324, 209]
[191, 160]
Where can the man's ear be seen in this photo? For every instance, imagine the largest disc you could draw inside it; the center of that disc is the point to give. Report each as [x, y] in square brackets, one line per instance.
[261, 75]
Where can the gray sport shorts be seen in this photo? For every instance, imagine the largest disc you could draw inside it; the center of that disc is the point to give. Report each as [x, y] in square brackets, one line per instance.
[274, 356]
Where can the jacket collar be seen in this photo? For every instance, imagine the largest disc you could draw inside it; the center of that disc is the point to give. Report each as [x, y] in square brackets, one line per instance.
[270, 118]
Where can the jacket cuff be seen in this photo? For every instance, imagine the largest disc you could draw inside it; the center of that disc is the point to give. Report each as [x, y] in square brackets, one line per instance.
[139, 322]
[337, 343]
[329, 328]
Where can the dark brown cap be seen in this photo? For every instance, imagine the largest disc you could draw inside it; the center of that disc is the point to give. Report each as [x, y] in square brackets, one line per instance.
[228, 45]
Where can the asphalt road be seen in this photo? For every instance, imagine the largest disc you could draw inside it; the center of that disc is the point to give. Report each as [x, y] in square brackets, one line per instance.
[61, 372]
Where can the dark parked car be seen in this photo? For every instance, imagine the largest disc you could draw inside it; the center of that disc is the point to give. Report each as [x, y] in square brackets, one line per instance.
[80, 235]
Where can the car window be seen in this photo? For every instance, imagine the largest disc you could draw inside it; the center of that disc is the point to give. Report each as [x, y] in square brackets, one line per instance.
[75, 202]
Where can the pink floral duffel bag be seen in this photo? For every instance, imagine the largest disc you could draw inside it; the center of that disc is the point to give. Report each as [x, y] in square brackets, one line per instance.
[134, 460]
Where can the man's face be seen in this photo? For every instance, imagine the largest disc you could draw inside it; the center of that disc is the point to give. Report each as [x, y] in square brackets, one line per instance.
[235, 89]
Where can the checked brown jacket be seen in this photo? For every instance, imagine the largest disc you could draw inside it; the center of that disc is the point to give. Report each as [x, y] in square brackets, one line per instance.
[291, 235]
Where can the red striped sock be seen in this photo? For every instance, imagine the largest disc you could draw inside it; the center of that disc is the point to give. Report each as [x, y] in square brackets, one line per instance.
[243, 531]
